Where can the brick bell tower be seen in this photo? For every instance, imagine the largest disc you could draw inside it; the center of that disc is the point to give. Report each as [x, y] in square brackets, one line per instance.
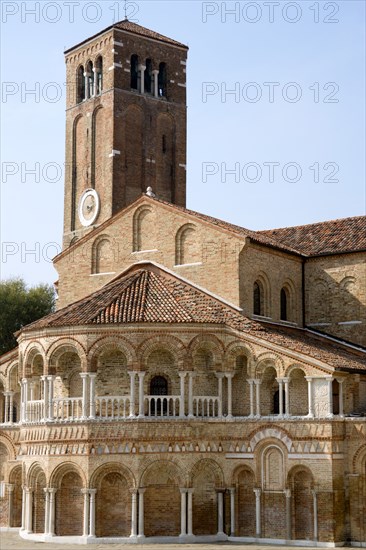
[125, 124]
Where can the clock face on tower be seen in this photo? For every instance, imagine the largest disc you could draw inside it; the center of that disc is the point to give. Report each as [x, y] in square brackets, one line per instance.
[89, 207]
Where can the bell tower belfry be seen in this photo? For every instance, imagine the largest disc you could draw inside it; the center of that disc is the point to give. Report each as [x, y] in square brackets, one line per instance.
[125, 124]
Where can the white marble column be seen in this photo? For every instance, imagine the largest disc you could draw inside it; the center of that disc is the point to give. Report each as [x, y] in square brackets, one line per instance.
[341, 403]
[52, 511]
[45, 397]
[258, 529]
[10, 504]
[183, 512]
[31, 391]
[232, 511]
[85, 492]
[29, 510]
[251, 396]
[50, 397]
[315, 514]
[219, 376]
[220, 512]
[287, 396]
[141, 394]
[190, 512]
[25, 396]
[155, 73]
[309, 380]
[132, 392]
[86, 84]
[95, 83]
[141, 69]
[92, 377]
[182, 376]
[288, 514]
[6, 407]
[21, 403]
[11, 404]
[229, 377]
[92, 493]
[258, 396]
[24, 499]
[46, 512]
[141, 512]
[133, 513]
[84, 377]
[190, 394]
[330, 395]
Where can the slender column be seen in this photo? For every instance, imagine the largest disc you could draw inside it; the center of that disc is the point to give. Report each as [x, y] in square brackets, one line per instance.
[25, 395]
[288, 514]
[31, 391]
[251, 396]
[95, 87]
[155, 73]
[134, 513]
[92, 377]
[280, 395]
[24, 498]
[258, 529]
[84, 376]
[52, 511]
[257, 396]
[229, 377]
[29, 510]
[45, 397]
[21, 403]
[132, 392]
[219, 376]
[141, 512]
[142, 68]
[10, 504]
[47, 512]
[92, 493]
[182, 376]
[87, 89]
[287, 397]
[310, 396]
[183, 512]
[11, 398]
[6, 407]
[141, 394]
[85, 492]
[340, 382]
[50, 397]
[220, 512]
[190, 513]
[232, 511]
[190, 393]
[330, 395]
[315, 513]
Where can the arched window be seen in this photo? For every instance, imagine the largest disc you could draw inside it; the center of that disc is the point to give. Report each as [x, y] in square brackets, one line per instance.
[186, 245]
[134, 71]
[159, 386]
[283, 299]
[90, 77]
[148, 76]
[162, 80]
[257, 299]
[99, 74]
[80, 79]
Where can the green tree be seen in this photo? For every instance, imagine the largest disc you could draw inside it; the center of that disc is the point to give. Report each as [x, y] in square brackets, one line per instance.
[19, 306]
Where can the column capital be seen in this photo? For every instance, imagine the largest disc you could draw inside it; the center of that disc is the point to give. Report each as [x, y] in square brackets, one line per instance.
[92, 374]
[141, 373]
[10, 487]
[219, 374]
[85, 491]
[285, 379]
[155, 71]
[287, 493]
[133, 491]
[257, 492]
[141, 67]
[141, 490]
[52, 490]
[182, 373]
[84, 374]
[190, 490]
[231, 489]
[340, 380]
[183, 491]
[29, 490]
[92, 492]
[229, 374]
[257, 381]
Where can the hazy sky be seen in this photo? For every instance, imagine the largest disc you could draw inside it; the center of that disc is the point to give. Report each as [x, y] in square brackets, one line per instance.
[285, 147]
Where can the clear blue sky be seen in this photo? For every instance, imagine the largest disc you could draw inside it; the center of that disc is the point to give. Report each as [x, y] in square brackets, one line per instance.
[312, 51]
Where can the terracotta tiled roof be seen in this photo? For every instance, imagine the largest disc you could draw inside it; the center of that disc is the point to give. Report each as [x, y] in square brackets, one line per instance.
[147, 294]
[132, 28]
[345, 235]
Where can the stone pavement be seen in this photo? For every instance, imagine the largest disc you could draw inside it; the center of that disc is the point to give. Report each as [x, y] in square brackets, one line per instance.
[11, 541]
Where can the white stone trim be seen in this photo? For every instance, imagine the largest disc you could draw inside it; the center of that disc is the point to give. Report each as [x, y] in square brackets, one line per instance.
[114, 153]
[182, 85]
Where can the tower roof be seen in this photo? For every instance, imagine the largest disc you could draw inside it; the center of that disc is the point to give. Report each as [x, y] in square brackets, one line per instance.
[133, 28]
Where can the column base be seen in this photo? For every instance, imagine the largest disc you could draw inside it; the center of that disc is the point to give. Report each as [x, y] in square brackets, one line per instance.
[187, 538]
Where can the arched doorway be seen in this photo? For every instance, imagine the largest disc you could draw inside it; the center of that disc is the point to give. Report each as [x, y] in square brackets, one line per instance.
[302, 504]
[69, 505]
[113, 509]
[245, 504]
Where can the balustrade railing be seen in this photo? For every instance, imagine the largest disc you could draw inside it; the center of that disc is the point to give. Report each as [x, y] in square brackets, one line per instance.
[206, 406]
[35, 411]
[162, 405]
[70, 408]
[112, 407]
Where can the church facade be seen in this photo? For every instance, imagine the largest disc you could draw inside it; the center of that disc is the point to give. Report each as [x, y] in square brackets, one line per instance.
[198, 381]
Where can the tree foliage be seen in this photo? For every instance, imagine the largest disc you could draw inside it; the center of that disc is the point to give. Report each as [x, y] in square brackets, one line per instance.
[19, 306]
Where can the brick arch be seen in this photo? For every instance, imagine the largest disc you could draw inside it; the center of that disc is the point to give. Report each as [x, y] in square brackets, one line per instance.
[139, 216]
[65, 345]
[210, 342]
[9, 445]
[210, 464]
[108, 468]
[113, 343]
[62, 469]
[359, 460]
[184, 239]
[172, 468]
[206, 477]
[244, 480]
[239, 348]
[290, 290]
[37, 481]
[264, 285]
[268, 359]
[103, 254]
[264, 433]
[168, 342]
[16, 479]
[29, 354]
